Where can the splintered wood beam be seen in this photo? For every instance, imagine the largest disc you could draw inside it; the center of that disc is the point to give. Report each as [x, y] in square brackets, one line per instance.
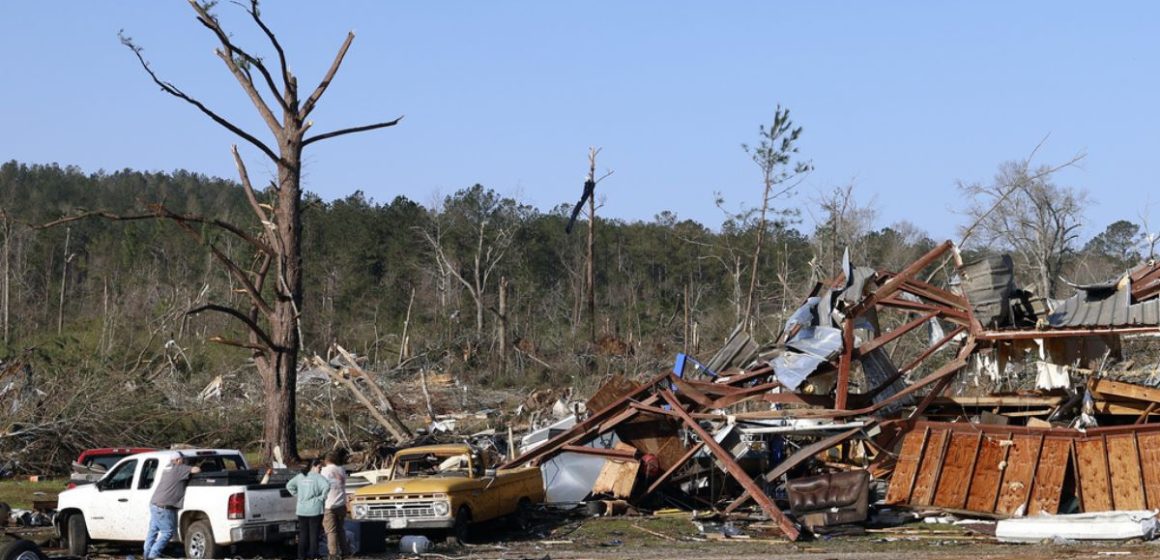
[914, 363]
[664, 477]
[804, 454]
[787, 527]
[599, 452]
[842, 393]
[894, 334]
[951, 313]
[934, 293]
[896, 282]
[1107, 387]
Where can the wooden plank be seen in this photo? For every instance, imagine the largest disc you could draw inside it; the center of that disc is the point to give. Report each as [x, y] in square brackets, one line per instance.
[1049, 476]
[1150, 461]
[1124, 468]
[616, 478]
[1091, 460]
[905, 470]
[1108, 387]
[929, 468]
[988, 473]
[1019, 475]
[957, 468]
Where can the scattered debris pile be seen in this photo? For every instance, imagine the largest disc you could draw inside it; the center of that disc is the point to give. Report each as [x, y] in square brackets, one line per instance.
[887, 391]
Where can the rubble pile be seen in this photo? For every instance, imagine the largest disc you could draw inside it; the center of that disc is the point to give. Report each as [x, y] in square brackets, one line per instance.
[887, 391]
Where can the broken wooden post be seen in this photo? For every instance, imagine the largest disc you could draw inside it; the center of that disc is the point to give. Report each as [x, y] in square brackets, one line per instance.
[787, 527]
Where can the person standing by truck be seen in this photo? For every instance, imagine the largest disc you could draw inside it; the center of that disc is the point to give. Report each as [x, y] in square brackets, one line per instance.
[168, 498]
[334, 518]
[311, 488]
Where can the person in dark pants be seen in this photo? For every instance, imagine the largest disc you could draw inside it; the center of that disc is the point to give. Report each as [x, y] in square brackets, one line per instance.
[168, 497]
[311, 488]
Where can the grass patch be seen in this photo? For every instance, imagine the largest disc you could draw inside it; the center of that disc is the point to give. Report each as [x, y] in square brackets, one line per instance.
[20, 493]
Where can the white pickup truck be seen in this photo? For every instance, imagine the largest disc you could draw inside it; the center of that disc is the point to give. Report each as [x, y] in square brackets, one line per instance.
[225, 504]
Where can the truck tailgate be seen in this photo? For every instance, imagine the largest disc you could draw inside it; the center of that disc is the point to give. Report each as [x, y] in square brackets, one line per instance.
[264, 503]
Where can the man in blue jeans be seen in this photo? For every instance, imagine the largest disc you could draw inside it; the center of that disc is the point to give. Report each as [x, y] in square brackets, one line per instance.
[168, 498]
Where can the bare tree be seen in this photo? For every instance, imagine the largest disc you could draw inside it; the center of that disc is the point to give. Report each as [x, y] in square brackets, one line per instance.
[589, 195]
[1023, 211]
[842, 224]
[773, 155]
[272, 284]
[470, 237]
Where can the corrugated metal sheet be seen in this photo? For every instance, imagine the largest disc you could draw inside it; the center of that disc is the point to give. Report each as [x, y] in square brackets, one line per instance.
[1088, 309]
[988, 284]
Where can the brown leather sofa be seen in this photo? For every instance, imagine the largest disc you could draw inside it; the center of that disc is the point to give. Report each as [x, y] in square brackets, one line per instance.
[830, 499]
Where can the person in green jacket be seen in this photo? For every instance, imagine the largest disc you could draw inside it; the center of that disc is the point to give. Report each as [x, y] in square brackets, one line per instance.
[310, 487]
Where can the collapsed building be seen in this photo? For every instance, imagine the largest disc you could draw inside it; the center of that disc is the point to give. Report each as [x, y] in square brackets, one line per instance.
[884, 388]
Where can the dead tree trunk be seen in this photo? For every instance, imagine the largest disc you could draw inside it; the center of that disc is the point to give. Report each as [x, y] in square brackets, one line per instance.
[273, 314]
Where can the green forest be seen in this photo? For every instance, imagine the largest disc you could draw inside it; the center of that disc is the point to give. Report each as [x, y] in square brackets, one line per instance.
[484, 288]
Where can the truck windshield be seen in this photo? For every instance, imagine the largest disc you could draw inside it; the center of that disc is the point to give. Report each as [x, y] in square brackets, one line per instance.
[446, 463]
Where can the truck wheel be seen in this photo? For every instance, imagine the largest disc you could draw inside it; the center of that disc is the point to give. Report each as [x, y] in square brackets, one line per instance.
[21, 550]
[522, 518]
[78, 536]
[461, 531]
[199, 541]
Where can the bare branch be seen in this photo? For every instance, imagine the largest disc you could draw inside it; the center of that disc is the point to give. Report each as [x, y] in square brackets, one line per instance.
[236, 271]
[245, 79]
[249, 189]
[250, 323]
[350, 131]
[287, 79]
[173, 90]
[308, 106]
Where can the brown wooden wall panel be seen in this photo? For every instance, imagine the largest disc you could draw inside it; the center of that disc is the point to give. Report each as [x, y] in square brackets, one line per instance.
[957, 468]
[1150, 464]
[1091, 460]
[1019, 474]
[906, 468]
[985, 482]
[929, 468]
[1124, 468]
[1049, 476]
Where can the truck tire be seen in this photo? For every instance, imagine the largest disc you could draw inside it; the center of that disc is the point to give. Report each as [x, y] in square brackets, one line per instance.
[199, 542]
[21, 550]
[460, 533]
[521, 520]
[78, 536]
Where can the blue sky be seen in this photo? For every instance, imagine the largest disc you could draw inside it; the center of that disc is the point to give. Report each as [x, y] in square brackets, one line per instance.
[902, 99]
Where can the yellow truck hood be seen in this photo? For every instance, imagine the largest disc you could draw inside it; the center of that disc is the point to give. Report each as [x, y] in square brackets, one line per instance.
[425, 485]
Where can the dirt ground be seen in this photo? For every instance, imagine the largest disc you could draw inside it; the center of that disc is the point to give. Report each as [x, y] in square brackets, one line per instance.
[667, 538]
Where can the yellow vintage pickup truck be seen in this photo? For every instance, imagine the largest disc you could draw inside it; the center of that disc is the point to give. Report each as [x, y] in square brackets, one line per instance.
[443, 489]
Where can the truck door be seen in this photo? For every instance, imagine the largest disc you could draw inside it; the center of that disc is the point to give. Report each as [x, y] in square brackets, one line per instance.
[109, 510]
[135, 522]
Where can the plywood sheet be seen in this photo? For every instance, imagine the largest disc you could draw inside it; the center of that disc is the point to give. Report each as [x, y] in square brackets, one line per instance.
[929, 468]
[1124, 468]
[616, 387]
[616, 478]
[957, 468]
[988, 473]
[1049, 476]
[1149, 445]
[1019, 474]
[1091, 461]
[656, 436]
[906, 468]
